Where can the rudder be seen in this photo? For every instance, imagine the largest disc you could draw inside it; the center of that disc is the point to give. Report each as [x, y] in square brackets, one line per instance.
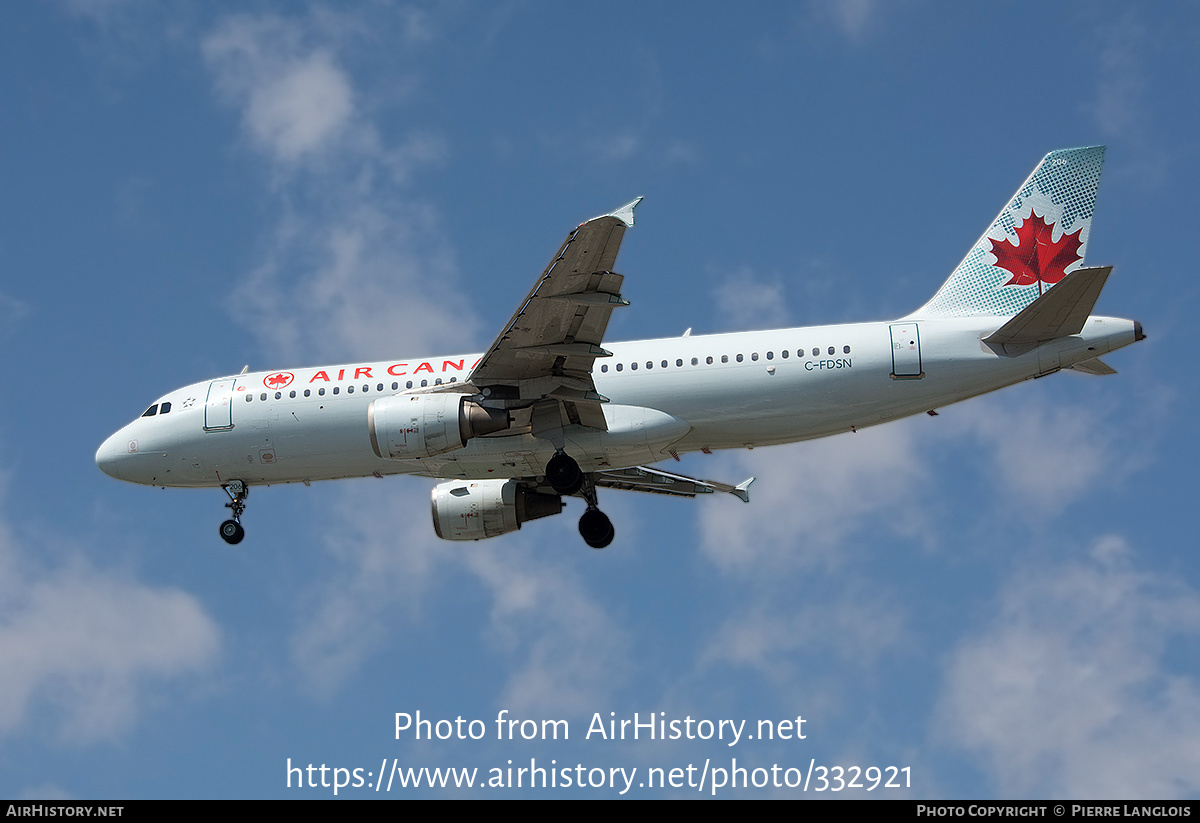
[1036, 240]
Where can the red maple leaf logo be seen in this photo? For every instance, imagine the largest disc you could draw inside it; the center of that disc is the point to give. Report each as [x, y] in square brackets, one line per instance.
[1037, 258]
[278, 380]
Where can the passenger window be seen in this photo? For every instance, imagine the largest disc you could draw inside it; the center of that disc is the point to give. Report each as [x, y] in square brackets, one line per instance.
[708, 360]
[649, 364]
[424, 383]
[831, 350]
[437, 382]
[337, 389]
[695, 362]
[664, 363]
[783, 354]
[308, 392]
[724, 358]
[377, 388]
[620, 366]
[278, 395]
[604, 368]
[395, 386]
[633, 366]
[754, 356]
[321, 391]
[739, 358]
[678, 363]
[770, 355]
[262, 396]
[349, 390]
[816, 352]
[292, 394]
[249, 397]
[409, 386]
[164, 408]
[845, 349]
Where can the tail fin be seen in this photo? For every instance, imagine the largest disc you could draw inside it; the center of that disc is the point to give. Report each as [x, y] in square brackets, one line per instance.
[1038, 238]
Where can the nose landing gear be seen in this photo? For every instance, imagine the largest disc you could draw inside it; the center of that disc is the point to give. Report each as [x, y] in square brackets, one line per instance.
[231, 530]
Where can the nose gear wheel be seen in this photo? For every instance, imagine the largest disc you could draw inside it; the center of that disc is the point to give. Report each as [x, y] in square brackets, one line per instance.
[231, 530]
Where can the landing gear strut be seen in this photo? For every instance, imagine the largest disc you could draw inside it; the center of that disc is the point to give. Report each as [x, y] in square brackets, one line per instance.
[564, 474]
[231, 530]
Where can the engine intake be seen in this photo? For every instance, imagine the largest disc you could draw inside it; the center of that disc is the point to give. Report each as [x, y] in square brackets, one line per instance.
[476, 509]
[412, 426]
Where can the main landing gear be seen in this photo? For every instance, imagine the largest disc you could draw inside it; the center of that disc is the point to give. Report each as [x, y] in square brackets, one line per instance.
[564, 474]
[231, 530]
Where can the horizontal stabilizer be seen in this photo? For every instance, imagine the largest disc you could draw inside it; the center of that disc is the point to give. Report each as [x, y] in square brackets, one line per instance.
[1060, 312]
[1094, 366]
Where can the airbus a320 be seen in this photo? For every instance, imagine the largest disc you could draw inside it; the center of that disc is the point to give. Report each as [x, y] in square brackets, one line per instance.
[550, 410]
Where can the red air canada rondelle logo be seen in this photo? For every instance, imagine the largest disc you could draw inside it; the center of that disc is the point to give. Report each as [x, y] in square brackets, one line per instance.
[278, 380]
[1037, 259]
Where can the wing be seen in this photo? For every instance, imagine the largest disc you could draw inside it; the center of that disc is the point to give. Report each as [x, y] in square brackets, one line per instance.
[642, 479]
[546, 351]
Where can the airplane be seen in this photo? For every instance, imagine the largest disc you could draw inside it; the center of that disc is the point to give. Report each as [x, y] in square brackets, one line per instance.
[550, 411]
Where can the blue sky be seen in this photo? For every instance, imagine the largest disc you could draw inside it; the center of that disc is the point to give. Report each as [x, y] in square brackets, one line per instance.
[1002, 598]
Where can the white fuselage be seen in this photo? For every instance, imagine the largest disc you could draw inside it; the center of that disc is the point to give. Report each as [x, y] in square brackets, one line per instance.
[666, 396]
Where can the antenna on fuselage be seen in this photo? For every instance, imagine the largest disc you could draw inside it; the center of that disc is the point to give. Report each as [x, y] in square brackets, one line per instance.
[245, 369]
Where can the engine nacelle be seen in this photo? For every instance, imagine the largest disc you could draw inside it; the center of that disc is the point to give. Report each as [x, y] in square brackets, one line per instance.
[412, 426]
[475, 509]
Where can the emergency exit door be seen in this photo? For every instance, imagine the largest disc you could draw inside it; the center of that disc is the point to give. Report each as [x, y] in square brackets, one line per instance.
[906, 351]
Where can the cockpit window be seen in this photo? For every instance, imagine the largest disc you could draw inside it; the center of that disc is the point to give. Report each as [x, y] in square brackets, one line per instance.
[164, 408]
[150, 412]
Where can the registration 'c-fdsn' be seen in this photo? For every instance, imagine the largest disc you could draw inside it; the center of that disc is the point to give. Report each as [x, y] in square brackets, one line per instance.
[550, 411]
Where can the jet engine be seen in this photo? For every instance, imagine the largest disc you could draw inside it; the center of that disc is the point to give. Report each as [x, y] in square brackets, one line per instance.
[412, 426]
[475, 509]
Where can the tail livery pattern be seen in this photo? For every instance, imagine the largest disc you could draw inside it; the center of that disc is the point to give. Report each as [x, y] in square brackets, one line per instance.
[1038, 238]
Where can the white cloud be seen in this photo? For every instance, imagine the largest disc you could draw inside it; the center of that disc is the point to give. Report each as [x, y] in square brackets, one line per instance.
[564, 652]
[852, 625]
[12, 313]
[89, 647]
[302, 109]
[852, 18]
[1043, 456]
[569, 653]
[808, 497]
[384, 563]
[1118, 105]
[355, 268]
[370, 283]
[1067, 690]
[748, 302]
[294, 98]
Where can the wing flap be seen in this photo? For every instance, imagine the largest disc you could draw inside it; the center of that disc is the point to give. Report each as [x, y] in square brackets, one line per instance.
[642, 479]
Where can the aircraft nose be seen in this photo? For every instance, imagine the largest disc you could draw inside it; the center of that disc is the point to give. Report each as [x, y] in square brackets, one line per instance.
[109, 458]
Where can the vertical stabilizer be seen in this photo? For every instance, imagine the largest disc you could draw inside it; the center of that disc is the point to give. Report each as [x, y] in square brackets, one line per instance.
[1035, 241]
